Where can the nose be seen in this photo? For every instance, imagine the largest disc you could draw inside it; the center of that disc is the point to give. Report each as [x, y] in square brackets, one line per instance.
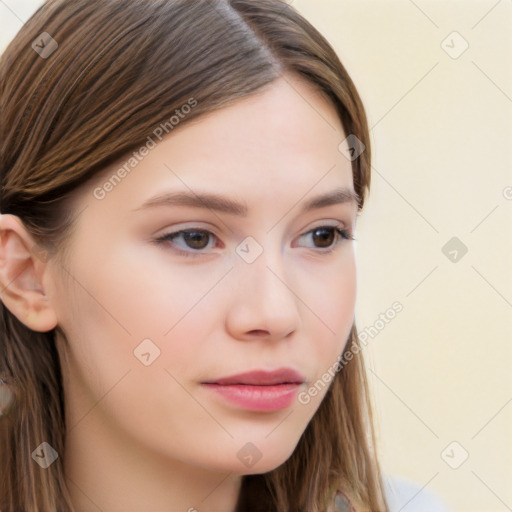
[263, 303]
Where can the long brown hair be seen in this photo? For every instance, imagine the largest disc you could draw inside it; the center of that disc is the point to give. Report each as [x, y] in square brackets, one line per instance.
[121, 68]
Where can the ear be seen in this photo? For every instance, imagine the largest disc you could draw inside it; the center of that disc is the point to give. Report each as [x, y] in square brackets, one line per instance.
[22, 266]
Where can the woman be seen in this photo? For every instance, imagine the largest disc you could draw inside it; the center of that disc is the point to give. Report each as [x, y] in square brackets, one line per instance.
[180, 183]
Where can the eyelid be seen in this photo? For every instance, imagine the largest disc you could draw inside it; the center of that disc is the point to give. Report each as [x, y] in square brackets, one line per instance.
[336, 223]
[190, 252]
[341, 231]
[191, 226]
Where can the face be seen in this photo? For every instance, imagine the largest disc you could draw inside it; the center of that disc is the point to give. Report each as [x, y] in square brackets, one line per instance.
[169, 303]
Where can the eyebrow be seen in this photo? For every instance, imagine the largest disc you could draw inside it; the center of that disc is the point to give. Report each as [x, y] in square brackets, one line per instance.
[224, 204]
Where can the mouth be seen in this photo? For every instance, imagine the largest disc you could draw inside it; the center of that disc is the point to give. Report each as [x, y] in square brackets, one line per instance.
[258, 390]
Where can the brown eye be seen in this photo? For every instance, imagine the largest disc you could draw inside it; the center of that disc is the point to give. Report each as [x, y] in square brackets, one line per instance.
[327, 237]
[196, 239]
[193, 241]
[323, 237]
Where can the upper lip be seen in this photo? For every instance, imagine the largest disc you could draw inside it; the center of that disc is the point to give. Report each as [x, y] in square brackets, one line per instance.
[262, 378]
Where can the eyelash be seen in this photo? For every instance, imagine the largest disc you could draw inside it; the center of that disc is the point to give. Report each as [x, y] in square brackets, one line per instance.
[343, 235]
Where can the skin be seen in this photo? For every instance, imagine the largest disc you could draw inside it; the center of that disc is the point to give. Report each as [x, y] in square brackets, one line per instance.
[151, 437]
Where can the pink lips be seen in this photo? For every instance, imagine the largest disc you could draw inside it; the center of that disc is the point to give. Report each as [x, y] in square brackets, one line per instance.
[259, 390]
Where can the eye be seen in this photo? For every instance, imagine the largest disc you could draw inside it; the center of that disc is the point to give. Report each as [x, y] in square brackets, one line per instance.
[196, 239]
[328, 237]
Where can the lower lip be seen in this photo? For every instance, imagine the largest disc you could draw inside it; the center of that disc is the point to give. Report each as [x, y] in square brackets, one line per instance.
[257, 398]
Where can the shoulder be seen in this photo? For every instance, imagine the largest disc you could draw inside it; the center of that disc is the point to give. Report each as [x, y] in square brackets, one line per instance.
[407, 496]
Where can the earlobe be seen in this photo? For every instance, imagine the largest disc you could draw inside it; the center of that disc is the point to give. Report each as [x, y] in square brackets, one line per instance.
[21, 271]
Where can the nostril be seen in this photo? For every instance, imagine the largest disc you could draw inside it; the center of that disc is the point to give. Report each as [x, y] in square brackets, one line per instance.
[259, 332]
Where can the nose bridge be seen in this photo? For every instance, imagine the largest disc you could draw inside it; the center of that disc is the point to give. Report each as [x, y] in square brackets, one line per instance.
[263, 299]
[262, 262]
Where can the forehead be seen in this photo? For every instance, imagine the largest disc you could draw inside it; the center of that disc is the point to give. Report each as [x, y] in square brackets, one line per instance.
[286, 129]
[290, 116]
[281, 141]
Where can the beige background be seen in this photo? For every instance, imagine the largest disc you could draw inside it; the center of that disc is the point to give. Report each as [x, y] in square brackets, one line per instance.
[441, 132]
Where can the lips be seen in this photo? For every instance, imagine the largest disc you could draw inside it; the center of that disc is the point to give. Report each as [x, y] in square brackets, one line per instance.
[258, 390]
[262, 378]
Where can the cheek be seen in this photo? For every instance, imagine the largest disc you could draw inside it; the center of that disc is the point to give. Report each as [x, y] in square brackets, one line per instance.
[343, 290]
[331, 294]
[126, 305]
[332, 301]
[154, 299]
[335, 304]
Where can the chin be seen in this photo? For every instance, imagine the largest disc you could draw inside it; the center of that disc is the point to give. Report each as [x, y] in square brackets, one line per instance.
[261, 467]
[245, 458]
[262, 456]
